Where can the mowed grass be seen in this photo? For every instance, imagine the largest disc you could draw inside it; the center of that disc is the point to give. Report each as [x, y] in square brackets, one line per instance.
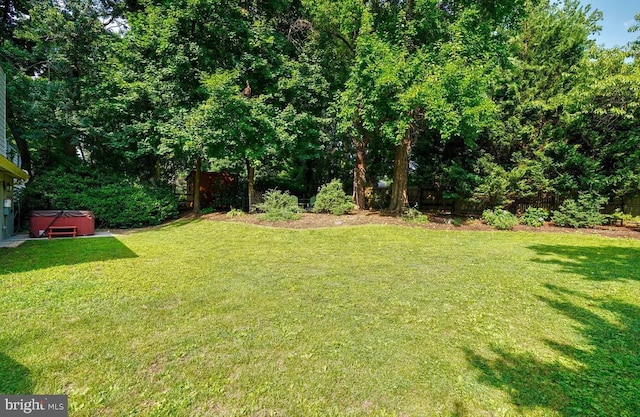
[220, 319]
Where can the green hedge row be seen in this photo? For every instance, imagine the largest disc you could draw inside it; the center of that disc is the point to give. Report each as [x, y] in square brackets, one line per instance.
[116, 201]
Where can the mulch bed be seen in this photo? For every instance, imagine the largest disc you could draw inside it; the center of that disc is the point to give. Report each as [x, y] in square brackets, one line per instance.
[436, 222]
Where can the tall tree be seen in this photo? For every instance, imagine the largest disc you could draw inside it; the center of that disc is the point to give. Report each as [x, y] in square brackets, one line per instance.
[405, 43]
[233, 126]
[534, 94]
[55, 52]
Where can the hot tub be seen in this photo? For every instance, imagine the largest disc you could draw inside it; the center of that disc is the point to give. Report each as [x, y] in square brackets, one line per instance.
[41, 220]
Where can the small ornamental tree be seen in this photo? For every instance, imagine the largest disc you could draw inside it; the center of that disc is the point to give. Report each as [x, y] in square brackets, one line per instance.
[279, 206]
[332, 199]
[581, 213]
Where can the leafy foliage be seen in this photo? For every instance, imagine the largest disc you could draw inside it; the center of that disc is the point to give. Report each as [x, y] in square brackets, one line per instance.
[278, 205]
[618, 215]
[413, 215]
[500, 219]
[493, 103]
[115, 201]
[234, 212]
[332, 199]
[534, 216]
[583, 212]
[493, 189]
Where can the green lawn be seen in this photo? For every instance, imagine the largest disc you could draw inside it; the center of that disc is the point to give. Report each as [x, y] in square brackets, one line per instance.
[204, 318]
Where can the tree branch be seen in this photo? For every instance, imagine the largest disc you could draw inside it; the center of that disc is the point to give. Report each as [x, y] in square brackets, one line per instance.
[344, 40]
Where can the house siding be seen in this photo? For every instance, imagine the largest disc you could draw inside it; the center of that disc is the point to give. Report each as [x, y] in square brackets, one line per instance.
[3, 113]
[4, 232]
[9, 169]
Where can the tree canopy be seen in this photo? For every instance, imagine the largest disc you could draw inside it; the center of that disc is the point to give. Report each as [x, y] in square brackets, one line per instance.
[486, 102]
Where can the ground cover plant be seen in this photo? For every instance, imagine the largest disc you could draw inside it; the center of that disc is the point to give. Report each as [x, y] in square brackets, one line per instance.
[413, 215]
[500, 219]
[203, 318]
[534, 216]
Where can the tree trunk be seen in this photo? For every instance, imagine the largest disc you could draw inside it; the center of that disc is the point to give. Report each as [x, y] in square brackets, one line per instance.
[251, 174]
[399, 199]
[360, 174]
[196, 186]
[157, 172]
[309, 175]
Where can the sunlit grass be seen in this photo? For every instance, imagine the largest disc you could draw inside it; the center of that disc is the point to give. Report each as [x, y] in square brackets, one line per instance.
[207, 318]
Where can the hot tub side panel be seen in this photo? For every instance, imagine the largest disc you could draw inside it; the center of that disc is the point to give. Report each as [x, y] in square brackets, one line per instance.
[40, 220]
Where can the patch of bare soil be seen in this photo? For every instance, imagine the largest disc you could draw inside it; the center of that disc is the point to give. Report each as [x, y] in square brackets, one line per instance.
[436, 222]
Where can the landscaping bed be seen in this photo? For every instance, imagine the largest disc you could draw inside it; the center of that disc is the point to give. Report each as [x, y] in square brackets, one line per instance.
[436, 222]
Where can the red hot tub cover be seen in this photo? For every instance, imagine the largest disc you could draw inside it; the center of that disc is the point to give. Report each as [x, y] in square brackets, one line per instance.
[42, 219]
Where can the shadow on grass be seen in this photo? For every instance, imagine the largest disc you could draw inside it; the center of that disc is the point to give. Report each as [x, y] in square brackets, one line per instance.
[171, 224]
[14, 377]
[33, 255]
[602, 263]
[602, 379]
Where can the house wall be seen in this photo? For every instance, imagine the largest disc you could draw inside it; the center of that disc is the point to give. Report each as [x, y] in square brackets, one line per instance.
[3, 113]
[6, 178]
[3, 149]
[3, 219]
[6, 221]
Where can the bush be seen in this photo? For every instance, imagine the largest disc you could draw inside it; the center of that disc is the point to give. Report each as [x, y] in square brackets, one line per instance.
[619, 216]
[115, 201]
[534, 217]
[500, 219]
[332, 199]
[584, 212]
[413, 215]
[234, 212]
[493, 188]
[278, 205]
[207, 210]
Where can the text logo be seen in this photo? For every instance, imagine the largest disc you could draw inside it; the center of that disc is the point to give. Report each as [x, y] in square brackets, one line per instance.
[34, 405]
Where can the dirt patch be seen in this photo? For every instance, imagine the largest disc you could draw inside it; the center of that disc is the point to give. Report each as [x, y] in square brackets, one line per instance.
[436, 222]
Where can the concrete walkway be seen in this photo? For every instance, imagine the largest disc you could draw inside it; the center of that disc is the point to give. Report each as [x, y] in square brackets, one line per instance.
[17, 240]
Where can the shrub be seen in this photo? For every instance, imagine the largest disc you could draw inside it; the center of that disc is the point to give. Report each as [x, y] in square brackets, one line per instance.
[619, 216]
[500, 219]
[583, 212]
[129, 204]
[534, 217]
[207, 210]
[278, 205]
[413, 215]
[115, 201]
[332, 199]
[234, 212]
[457, 222]
[493, 187]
